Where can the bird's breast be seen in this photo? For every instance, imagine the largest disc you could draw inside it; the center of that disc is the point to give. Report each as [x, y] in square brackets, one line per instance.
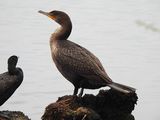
[53, 46]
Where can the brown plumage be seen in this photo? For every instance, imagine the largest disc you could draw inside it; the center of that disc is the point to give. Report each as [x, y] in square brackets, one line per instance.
[78, 65]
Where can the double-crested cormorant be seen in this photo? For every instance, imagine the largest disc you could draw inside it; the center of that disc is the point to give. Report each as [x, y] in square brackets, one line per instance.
[11, 80]
[76, 63]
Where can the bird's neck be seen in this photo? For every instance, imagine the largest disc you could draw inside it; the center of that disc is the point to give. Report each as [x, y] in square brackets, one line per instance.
[12, 70]
[62, 33]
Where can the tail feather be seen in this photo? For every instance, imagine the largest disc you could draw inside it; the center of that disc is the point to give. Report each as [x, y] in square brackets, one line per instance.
[122, 88]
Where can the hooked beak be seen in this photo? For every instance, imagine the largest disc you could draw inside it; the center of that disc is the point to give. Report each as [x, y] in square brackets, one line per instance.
[47, 14]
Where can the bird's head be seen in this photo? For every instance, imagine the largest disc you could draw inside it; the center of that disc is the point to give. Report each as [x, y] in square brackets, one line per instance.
[58, 16]
[12, 61]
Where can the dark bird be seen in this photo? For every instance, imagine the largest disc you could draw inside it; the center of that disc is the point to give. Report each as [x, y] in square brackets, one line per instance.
[78, 65]
[11, 80]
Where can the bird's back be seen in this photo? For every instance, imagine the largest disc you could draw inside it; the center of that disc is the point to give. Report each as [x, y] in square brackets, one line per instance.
[8, 85]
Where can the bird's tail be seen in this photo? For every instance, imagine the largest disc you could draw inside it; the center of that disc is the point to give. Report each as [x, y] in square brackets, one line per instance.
[122, 88]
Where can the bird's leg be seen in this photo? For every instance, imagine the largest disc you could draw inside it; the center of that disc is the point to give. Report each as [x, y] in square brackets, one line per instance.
[81, 92]
[75, 91]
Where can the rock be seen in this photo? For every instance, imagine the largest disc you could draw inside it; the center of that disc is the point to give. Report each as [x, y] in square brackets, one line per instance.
[107, 105]
[12, 115]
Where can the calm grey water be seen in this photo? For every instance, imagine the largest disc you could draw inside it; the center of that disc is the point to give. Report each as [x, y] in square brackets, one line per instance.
[125, 35]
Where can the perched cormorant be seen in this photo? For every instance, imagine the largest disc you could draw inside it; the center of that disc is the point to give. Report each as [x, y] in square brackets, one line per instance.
[11, 80]
[78, 65]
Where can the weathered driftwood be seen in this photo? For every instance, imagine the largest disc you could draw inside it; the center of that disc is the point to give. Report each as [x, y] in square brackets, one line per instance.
[12, 115]
[107, 105]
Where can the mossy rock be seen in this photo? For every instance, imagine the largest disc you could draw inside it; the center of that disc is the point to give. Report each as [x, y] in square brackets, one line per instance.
[107, 105]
